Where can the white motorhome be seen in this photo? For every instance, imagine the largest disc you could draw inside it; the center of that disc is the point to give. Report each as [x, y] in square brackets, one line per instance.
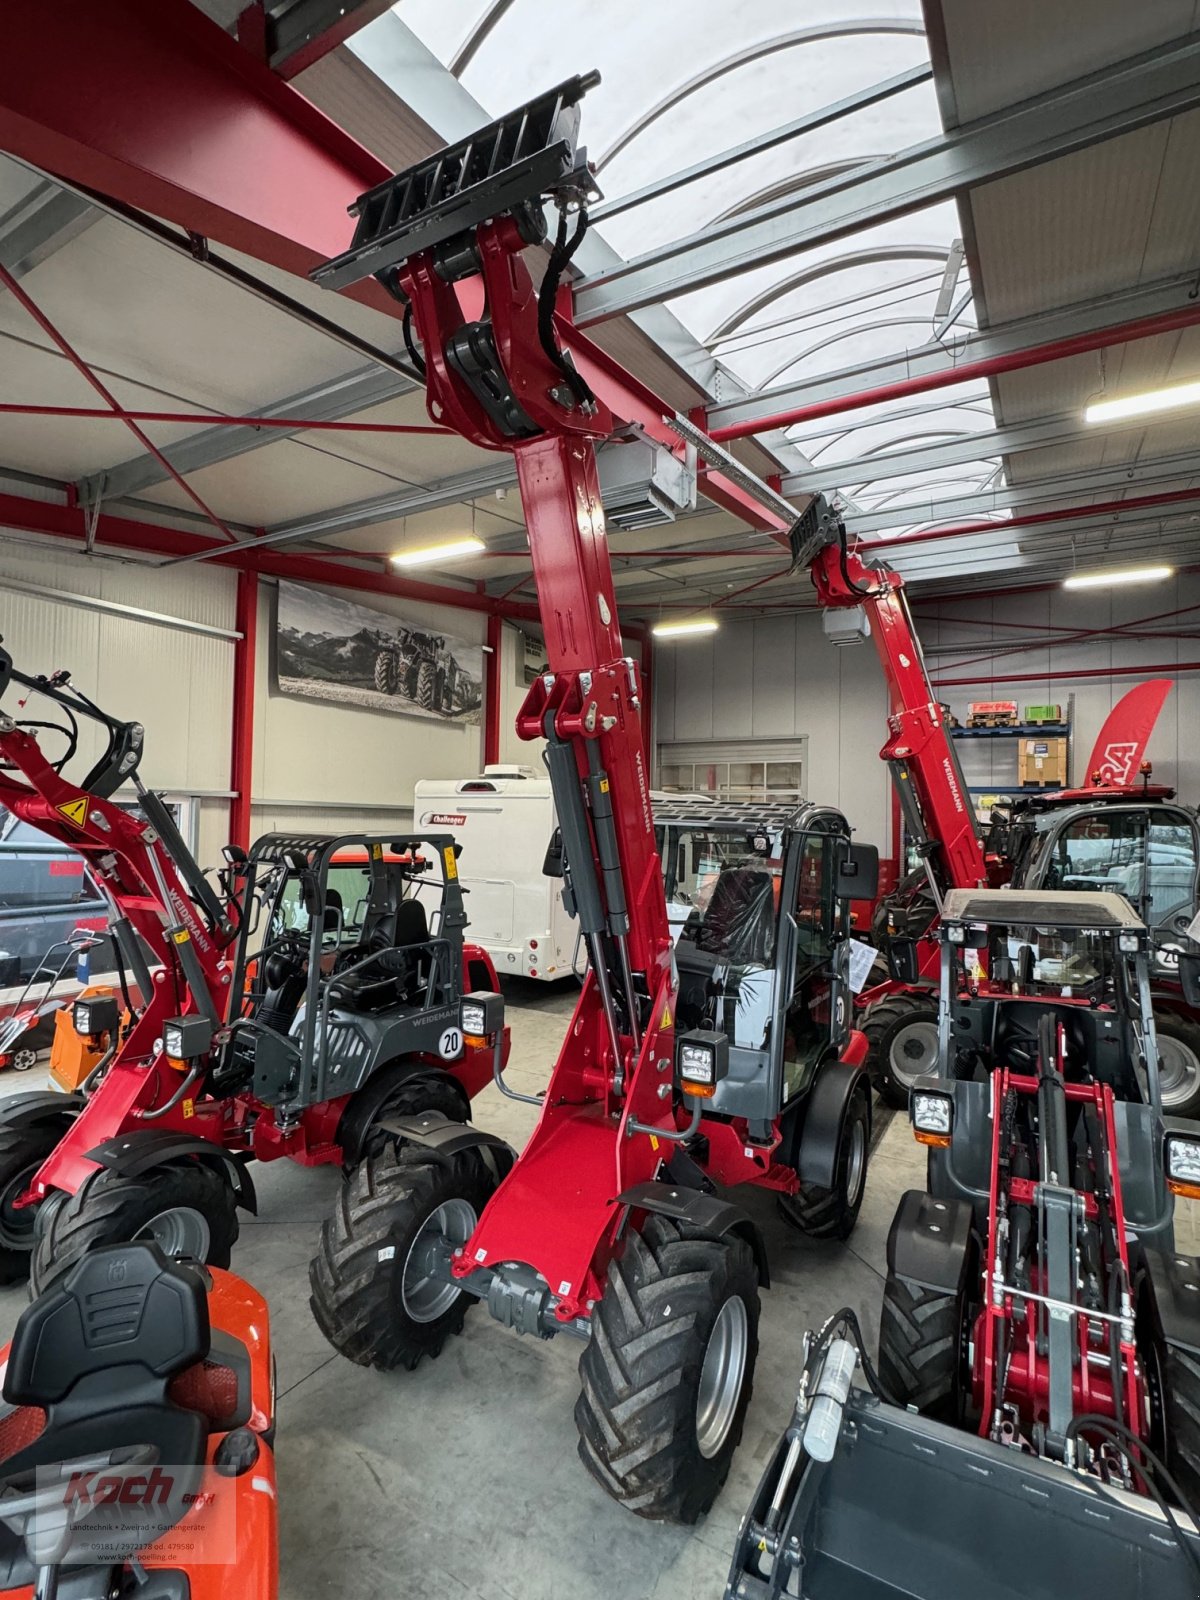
[504, 821]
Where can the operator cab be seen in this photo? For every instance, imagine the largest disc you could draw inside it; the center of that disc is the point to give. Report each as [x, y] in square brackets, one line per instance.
[759, 928]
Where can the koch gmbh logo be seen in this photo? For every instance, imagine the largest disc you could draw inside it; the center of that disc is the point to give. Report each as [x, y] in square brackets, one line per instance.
[1117, 765]
[115, 1510]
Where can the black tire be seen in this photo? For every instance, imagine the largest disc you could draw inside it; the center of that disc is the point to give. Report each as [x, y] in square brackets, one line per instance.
[358, 1131]
[426, 684]
[1181, 1382]
[1178, 1063]
[22, 1151]
[639, 1431]
[387, 672]
[111, 1208]
[920, 1348]
[832, 1213]
[896, 1055]
[357, 1278]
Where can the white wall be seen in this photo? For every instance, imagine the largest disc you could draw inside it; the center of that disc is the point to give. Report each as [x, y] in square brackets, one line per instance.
[177, 684]
[778, 677]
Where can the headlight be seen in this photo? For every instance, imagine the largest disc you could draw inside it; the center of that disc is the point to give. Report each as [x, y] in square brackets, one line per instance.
[482, 1013]
[186, 1038]
[931, 1113]
[1183, 1165]
[1129, 943]
[701, 1060]
[956, 933]
[95, 1015]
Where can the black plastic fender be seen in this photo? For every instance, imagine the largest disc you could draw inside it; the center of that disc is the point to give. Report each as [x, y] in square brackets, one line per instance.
[37, 1106]
[824, 1118]
[445, 1138]
[1174, 1282]
[929, 1242]
[138, 1151]
[707, 1213]
[365, 1102]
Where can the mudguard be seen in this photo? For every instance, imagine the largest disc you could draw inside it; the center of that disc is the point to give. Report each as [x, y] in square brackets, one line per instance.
[824, 1118]
[136, 1152]
[707, 1213]
[364, 1103]
[1173, 1282]
[444, 1138]
[929, 1242]
[37, 1106]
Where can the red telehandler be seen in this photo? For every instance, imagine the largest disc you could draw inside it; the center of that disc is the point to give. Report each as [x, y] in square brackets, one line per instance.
[608, 1225]
[261, 1019]
[1118, 834]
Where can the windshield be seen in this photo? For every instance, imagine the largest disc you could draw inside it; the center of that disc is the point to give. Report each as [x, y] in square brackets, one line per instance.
[1049, 960]
[723, 892]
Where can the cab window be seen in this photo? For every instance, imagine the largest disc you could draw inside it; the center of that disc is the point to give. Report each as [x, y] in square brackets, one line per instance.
[814, 901]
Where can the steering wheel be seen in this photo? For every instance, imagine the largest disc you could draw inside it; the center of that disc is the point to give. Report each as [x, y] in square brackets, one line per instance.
[292, 940]
[37, 1505]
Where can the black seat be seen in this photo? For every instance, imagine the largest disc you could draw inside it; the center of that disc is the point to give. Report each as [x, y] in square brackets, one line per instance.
[98, 1354]
[740, 920]
[402, 967]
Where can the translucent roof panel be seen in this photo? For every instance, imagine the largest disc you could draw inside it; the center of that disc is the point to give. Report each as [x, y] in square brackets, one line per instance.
[684, 80]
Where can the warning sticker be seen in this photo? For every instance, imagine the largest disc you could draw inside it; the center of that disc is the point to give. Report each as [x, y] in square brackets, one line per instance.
[666, 1017]
[76, 811]
[451, 861]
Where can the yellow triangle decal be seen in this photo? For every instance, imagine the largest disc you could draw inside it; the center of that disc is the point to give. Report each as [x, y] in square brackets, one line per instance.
[76, 811]
[666, 1017]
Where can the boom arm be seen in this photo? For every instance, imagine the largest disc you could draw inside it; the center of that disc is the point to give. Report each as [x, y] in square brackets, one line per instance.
[919, 751]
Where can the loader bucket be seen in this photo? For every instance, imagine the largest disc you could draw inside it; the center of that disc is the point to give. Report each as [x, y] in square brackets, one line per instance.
[910, 1509]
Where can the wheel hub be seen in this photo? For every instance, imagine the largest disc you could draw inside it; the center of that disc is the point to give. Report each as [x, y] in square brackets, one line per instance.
[722, 1377]
[426, 1293]
[1179, 1071]
[914, 1050]
[180, 1231]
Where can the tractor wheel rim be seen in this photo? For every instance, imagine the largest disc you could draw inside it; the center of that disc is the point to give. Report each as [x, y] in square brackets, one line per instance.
[914, 1051]
[856, 1164]
[1178, 1071]
[22, 1060]
[426, 1295]
[180, 1231]
[722, 1376]
[16, 1227]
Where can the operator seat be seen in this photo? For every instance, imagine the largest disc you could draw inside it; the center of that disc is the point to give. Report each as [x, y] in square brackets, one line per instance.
[402, 968]
[97, 1356]
[735, 933]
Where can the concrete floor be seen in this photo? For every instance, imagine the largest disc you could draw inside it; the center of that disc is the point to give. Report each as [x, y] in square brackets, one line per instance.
[460, 1481]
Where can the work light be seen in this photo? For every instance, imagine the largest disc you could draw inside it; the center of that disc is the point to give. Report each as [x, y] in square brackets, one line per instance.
[956, 933]
[931, 1112]
[482, 1013]
[1183, 1163]
[1129, 943]
[701, 1060]
[95, 1015]
[186, 1038]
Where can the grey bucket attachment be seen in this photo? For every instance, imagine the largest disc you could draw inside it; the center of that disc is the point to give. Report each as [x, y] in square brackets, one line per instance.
[910, 1509]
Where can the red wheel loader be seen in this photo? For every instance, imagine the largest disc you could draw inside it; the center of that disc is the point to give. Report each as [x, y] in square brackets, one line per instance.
[607, 1225]
[1031, 1427]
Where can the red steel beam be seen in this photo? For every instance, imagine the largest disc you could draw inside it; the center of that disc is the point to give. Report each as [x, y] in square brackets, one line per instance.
[292, 424]
[989, 367]
[127, 533]
[241, 758]
[491, 690]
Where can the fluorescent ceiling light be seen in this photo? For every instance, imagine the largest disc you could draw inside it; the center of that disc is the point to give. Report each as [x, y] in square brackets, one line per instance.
[677, 630]
[1141, 405]
[1107, 580]
[430, 554]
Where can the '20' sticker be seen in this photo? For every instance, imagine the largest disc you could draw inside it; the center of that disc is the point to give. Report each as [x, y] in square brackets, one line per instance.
[451, 1043]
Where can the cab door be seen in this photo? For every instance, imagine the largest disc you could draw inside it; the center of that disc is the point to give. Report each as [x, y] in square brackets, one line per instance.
[814, 912]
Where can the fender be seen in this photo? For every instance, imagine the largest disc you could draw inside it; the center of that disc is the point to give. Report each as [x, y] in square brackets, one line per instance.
[706, 1213]
[132, 1154]
[929, 1242]
[365, 1102]
[1172, 1281]
[824, 1117]
[443, 1138]
[38, 1106]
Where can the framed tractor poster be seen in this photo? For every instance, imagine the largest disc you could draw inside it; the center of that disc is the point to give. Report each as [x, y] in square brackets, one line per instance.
[329, 648]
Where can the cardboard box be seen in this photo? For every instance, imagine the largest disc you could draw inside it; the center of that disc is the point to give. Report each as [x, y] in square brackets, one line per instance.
[1043, 761]
[1043, 713]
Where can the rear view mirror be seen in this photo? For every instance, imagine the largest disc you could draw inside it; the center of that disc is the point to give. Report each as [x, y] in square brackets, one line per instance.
[1189, 977]
[902, 960]
[858, 873]
[552, 867]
